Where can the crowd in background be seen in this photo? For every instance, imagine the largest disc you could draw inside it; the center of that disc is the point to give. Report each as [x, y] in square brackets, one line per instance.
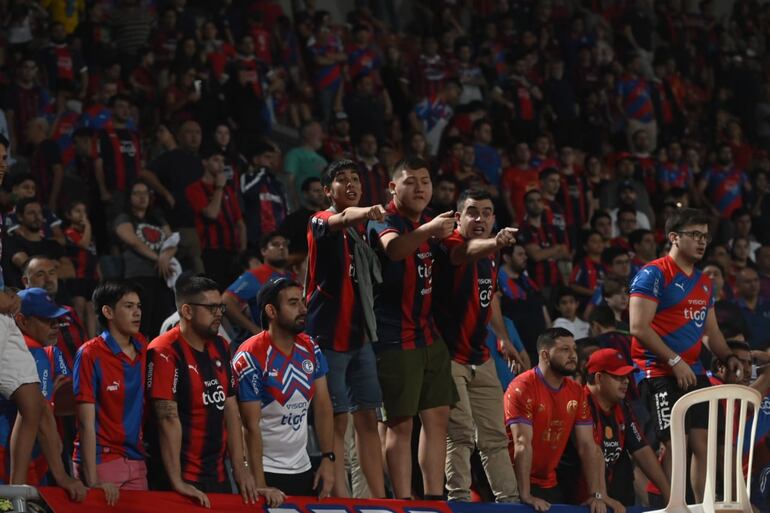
[149, 138]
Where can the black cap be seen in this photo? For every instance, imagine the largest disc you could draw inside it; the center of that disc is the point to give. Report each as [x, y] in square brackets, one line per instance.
[627, 184]
[268, 295]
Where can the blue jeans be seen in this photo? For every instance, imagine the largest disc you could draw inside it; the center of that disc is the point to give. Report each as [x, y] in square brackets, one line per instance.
[352, 379]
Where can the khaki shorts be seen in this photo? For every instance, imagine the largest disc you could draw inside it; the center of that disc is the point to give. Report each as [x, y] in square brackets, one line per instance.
[17, 364]
[416, 380]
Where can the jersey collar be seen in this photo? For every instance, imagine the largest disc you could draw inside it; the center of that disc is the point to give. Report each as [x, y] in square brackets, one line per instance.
[115, 347]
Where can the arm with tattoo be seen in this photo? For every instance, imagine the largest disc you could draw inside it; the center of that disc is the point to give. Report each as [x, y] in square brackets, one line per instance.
[170, 435]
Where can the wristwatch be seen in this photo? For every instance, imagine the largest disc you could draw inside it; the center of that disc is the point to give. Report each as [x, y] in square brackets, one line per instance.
[329, 455]
[673, 361]
[598, 496]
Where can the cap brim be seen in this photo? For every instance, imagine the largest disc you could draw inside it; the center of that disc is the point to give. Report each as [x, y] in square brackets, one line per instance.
[620, 371]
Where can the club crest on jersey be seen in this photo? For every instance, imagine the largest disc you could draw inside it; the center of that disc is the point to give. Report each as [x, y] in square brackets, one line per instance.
[308, 366]
[572, 406]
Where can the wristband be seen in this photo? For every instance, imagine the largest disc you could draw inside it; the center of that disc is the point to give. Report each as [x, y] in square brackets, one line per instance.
[673, 361]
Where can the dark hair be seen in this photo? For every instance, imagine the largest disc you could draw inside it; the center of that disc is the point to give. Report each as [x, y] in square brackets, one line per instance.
[211, 150]
[259, 148]
[625, 209]
[4, 141]
[265, 240]
[21, 178]
[75, 202]
[545, 173]
[684, 217]
[611, 253]
[547, 339]
[307, 182]
[563, 292]
[636, 236]
[22, 204]
[603, 316]
[598, 215]
[717, 265]
[118, 98]
[475, 195]
[409, 164]
[587, 234]
[738, 344]
[188, 289]
[109, 293]
[530, 192]
[338, 166]
[739, 212]
[613, 285]
[481, 122]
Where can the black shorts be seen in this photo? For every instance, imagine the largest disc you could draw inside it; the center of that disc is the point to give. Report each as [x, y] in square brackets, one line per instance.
[660, 394]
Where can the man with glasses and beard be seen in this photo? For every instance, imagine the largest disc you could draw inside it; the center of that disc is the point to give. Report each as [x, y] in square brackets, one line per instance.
[193, 397]
[671, 313]
[280, 373]
[542, 406]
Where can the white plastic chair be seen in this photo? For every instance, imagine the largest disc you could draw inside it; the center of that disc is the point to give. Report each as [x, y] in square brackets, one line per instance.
[736, 488]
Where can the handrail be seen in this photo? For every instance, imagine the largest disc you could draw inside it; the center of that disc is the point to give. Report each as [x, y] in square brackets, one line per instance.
[19, 495]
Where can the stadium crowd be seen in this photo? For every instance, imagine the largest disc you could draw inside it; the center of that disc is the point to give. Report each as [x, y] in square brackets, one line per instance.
[456, 250]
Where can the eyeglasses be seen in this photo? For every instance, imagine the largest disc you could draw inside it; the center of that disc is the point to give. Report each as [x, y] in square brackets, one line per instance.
[697, 236]
[213, 308]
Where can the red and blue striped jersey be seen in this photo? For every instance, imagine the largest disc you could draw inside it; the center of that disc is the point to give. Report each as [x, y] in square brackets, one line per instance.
[199, 382]
[64, 125]
[326, 76]
[219, 233]
[587, 273]
[546, 272]
[725, 188]
[284, 384]
[680, 319]
[402, 303]
[364, 61]
[671, 175]
[335, 318]
[636, 97]
[121, 153]
[574, 199]
[247, 286]
[517, 289]
[84, 260]
[374, 183]
[264, 202]
[107, 378]
[72, 335]
[41, 163]
[464, 311]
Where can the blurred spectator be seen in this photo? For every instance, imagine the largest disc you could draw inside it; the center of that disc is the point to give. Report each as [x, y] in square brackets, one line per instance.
[567, 307]
[296, 224]
[25, 100]
[368, 109]
[374, 177]
[304, 161]
[265, 204]
[23, 186]
[754, 308]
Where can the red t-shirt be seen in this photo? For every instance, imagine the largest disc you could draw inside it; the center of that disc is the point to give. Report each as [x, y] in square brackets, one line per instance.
[552, 413]
[516, 182]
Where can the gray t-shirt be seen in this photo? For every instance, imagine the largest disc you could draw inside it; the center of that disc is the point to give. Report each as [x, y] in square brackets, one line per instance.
[150, 231]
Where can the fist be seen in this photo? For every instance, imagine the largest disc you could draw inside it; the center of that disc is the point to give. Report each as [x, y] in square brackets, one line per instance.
[443, 225]
[220, 180]
[376, 213]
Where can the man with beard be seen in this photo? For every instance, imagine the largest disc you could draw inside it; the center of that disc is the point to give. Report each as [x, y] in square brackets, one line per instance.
[544, 407]
[466, 281]
[280, 373]
[339, 300]
[191, 387]
[242, 293]
[413, 367]
[671, 313]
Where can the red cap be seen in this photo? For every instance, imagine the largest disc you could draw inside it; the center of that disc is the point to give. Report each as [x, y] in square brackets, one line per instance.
[610, 361]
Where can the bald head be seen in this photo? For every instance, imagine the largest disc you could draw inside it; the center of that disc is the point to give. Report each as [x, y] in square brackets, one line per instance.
[42, 272]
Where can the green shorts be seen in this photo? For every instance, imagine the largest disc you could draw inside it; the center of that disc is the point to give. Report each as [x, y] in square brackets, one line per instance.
[416, 380]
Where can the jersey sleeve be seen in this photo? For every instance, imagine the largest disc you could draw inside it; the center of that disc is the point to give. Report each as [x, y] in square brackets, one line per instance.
[196, 197]
[583, 416]
[518, 404]
[446, 246]
[245, 287]
[248, 377]
[322, 366]
[318, 227]
[648, 283]
[60, 367]
[634, 436]
[376, 229]
[163, 376]
[83, 377]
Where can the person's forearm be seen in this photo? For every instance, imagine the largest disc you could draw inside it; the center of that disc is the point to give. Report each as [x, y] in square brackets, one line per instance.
[647, 461]
[88, 454]
[254, 446]
[86, 236]
[50, 443]
[234, 313]
[405, 245]
[154, 183]
[324, 424]
[592, 461]
[473, 250]
[522, 466]
[211, 211]
[652, 341]
[56, 185]
[235, 438]
[579, 289]
[351, 216]
[170, 434]
[66, 269]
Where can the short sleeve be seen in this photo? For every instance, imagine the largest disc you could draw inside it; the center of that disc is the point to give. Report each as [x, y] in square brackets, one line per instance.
[318, 226]
[196, 196]
[376, 229]
[60, 367]
[248, 377]
[84, 377]
[322, 366]
[518, 404]
[634, 438]
[162, 374]
[450, 243]
[584, 411]
[245, 287]
[648, 283]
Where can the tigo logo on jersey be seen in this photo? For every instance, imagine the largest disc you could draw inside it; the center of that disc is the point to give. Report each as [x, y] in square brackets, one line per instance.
[214, 394]
[485, 291]
[699, 316]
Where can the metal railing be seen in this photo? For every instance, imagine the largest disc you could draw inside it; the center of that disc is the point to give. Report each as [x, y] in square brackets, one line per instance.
[19, 495]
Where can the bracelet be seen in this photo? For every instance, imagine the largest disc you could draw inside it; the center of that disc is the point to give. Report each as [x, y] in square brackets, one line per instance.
[673, 361]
